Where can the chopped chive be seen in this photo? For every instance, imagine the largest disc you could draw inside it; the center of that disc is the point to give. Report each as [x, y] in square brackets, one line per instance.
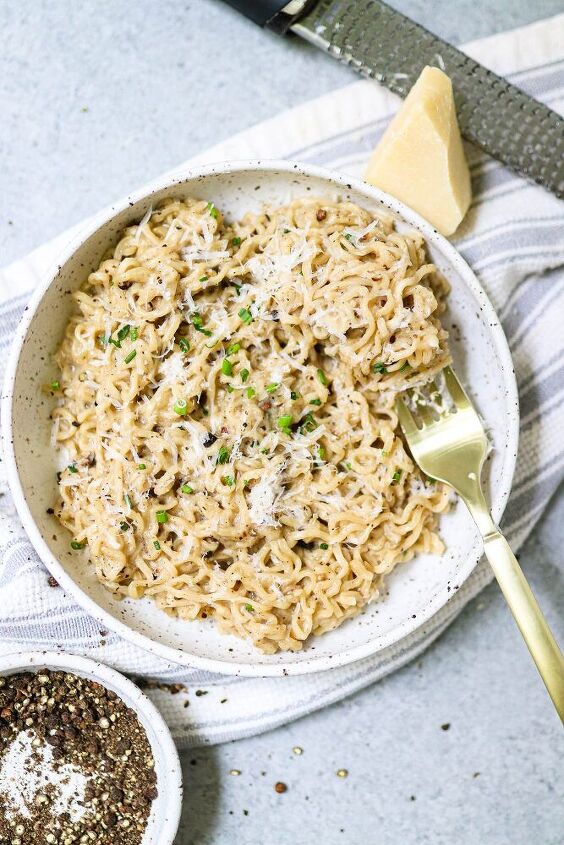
[349, 236]
[405, 366]
[129, 358]
[251, 392]
[285, 231]
[348, 465]
[285, 422]
[199, 326]
[123, 332]
[72, 468]
[246, 482]
[184, 344]
[294, 395]
[264, 452]
[157, 545]
[134, 334]
[180, 407]
[104, 339]
[213, 210]
[203, 279]
[227, 367]
[236, 241]
[141, 466]
[244, 375]
[322, 378]
[162, 517]
[124, 526]
[187, 489]
[246, 316]
[116, 343]
[237, 287]
[55, 385]
[396, 476]
[307, 424]
[197, 321]
[76, 545]
[229, 388]
[228, 480]
[315, 401]
[127, 500]
[274, 385]
[321, 453]
[379, 367]
[231, 350]
[250, 608]
[223, 455]
[324, 545]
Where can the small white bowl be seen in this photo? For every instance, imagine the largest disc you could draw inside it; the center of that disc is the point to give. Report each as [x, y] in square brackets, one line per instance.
[417, 590]
[165, 811]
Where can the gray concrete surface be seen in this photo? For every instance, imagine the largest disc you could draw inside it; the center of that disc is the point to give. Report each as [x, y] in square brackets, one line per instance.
[97, 97]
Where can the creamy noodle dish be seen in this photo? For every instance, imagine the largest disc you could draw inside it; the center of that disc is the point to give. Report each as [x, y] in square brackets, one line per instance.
[225, 409]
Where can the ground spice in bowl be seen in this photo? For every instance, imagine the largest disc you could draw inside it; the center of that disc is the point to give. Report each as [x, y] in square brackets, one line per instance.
[76, 765]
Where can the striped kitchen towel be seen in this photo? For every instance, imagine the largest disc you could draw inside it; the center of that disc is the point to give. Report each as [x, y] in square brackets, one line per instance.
[513, 237]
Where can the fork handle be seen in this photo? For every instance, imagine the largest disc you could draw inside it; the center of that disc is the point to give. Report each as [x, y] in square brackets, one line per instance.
[528, 615]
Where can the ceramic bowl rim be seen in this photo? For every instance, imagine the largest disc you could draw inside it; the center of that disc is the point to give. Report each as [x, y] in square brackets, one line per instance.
[146, 642]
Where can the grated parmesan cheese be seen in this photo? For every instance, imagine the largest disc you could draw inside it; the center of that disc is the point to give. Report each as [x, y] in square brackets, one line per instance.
[264, 498]
[142, 222]
[27, 770]
[173, 369]
[190, 254]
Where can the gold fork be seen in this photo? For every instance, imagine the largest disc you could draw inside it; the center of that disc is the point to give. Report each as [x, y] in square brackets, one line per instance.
[452, 449]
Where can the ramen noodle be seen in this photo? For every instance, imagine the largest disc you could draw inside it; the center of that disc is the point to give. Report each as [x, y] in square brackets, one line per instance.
[226, 409]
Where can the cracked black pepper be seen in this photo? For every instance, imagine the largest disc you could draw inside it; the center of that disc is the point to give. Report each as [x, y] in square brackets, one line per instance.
[75, 763]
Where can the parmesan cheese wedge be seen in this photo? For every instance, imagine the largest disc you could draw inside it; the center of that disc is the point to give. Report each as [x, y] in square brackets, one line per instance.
[420, 158]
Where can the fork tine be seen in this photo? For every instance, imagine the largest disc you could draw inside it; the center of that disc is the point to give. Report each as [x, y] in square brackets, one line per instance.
[455, 389]
[425, 415]
[406, 419]
[438, 397]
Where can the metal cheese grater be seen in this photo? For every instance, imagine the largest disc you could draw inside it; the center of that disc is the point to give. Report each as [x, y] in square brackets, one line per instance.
[385, 45]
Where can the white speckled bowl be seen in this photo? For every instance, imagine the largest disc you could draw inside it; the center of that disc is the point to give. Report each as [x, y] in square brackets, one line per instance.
[417, 589]
[165, 811]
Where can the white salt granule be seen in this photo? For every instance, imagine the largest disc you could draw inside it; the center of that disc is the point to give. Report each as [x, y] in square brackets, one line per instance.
[25, 773]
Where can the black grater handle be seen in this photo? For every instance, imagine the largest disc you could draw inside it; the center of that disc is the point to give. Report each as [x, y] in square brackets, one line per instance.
[277, 15]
